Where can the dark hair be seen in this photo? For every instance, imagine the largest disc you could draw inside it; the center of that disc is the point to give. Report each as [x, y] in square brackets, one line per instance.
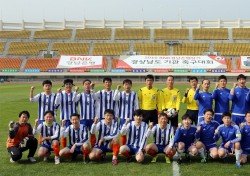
[241, 76]
[86, 81]
[192, 78]
[209, 110]
[47, 82]
[149, 77]
[171, 76]
[49, 112]
[109, 111]
[205, 80]
[162, 114]
[107, 79]
[222, 77]
[75, 114]
[24, 112]
[138, 112]
[127, 81]
[186, 116]
[248, 112]
[68, 81]
[226, 114]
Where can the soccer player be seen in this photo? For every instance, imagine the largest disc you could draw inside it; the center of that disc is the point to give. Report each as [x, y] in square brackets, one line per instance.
[245, 138]
[107, 141]
[221, 97]
[205, 134]
[67, 101]
[185, 138]
[50, 132]
[46, 99]
[163, 135]
[78, 138]
[87, 108]
[149, 100]
[231, 136]
[136, 132]
[192, 104]
[205, 100]
[21, 138]
[128, 103]
[239, 95]
[171, 98]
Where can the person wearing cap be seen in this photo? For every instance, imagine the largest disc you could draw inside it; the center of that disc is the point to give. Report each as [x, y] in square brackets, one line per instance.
[67, 101]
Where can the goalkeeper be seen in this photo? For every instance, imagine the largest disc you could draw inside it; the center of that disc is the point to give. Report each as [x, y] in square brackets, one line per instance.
[21, 138]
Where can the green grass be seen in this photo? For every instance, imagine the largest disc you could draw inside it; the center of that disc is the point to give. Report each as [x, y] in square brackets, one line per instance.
[15, 98]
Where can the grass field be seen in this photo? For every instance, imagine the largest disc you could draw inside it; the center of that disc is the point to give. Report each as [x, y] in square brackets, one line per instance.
[15, 98]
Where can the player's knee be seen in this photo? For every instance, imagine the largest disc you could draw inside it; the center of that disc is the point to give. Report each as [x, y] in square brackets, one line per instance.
[194, 151]
[123, 149]
[92, 156]
[199, 145]
[115, 140]
[237, 146]
[55, 142]
[214, 154]
[181, 145]
[221, 154]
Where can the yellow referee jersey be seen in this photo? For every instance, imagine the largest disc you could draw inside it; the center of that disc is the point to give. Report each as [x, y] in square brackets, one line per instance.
[171, 98]
[149, 99]
[192, 104]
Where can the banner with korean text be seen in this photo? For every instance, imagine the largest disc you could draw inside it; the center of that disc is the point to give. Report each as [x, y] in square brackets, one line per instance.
[172, 62]
[80, 62]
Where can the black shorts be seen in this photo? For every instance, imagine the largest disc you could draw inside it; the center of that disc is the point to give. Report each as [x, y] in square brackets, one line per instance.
[193, 115]
[150, 115]
[173, 121]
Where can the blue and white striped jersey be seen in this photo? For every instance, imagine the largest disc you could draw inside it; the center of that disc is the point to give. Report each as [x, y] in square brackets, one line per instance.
[87, 106]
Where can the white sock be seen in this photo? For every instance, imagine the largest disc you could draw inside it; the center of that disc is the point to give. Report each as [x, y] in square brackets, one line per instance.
[201, 151]
[179, 152]
[238, 155]
[114, 157]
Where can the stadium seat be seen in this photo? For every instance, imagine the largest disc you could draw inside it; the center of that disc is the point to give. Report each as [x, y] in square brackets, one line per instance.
[53, 34]
[132, 34]
[71, 48]
[27, 48]
[41, 63]
[210, 34]
[94, 34]
[10, 63]
[171, 34]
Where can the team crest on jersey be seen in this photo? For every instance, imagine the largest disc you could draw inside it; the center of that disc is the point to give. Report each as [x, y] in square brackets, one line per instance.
[153, 97]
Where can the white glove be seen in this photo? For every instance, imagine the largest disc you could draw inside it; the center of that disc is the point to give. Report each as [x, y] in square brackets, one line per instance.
[11, 125]
[24, 142]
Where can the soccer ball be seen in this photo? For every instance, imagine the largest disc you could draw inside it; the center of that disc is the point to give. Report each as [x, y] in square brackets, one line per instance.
[170, 112]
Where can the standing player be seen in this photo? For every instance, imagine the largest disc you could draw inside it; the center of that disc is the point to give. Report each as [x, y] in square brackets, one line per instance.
[221, 97]
[136, 133]
[185, 138]
[240, 100]
[163, 135]
[21, 138]
[128, 103]
[192, 104]
[78, 138]
[205, 100]
[231, 136]
[107, 141]
[68, 105]
[50, 132]
[171, 98]
[205, 134]
[149, 100]
[87, 108]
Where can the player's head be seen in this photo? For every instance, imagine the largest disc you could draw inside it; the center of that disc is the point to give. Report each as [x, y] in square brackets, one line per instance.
[68, 84]
[75, 120]
[138, 115]
[108, 115]
[241, 80]
[47, 84]
[170, 81]
[208, 115]
[49, 117]
[186, 120]
[193, 81]
[24, 117]
[205, 84]
[127, 84]
[247, 117]
[107, 82]
[86, 85]
[162, 120]
[149, 79]
[222, 81]
[226, 118]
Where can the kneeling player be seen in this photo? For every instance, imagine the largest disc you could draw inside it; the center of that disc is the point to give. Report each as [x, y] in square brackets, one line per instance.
[107, 136]
[163, 139]
[231, 136]
[78, 138]
[205, 134]
[185, 138]
[135, 130]
[50, 132]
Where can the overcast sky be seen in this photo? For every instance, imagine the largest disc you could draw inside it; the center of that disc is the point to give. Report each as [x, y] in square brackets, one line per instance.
[57, 10]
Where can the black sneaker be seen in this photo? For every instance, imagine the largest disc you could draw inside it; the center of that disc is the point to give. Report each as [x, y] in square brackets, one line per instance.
[179, 161]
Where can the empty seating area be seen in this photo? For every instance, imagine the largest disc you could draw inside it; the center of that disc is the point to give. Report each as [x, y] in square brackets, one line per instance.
[151, 48]
[132, 34]
[241, 33]
[71, 48]
[27, 48]
[229, 64]
[2, 44]
[94, 34]
[10, 63]
[171, 34]
[110, 49]
[15, 34]
[53, 34]
[210, 34]
[191, 48]
[232, 49]
[41, 63]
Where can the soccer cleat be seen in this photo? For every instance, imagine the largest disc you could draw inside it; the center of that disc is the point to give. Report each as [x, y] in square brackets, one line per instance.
[203, 160]
[238, 165]
[12, 161]
[114, 162]
[167, 160]
[154, 160]
[129, 159]
[179, 161]
[57, 160]
[31, 159]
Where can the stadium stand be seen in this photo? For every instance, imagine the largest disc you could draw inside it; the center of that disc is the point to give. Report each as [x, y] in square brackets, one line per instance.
[114, 62]
[71, 48]
[2, 44]
[132, 34]
[241, 33]
[10, 63]
[43, 64]
[94, 34]
[171, 34]
[232, 49]
[110, 49]
[151, 48]
[15, 34]
[210, 34]
[229, 64]
[238, 63]
[191, 48]
[27, 48]
[53, 34]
